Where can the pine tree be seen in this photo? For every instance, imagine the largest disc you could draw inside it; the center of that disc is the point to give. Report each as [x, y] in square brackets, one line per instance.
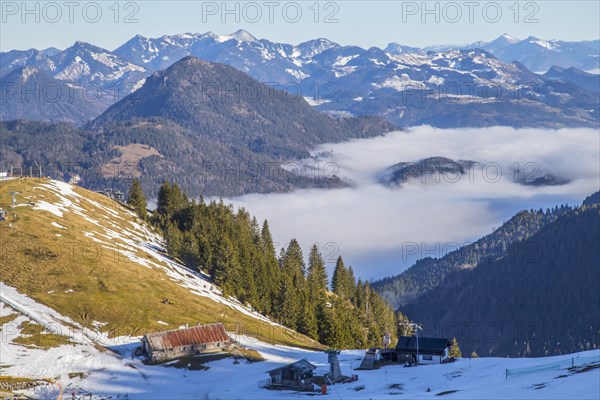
[137, 199]
[163, 203]
[316, 301]
[350, 285]
[454, 349]
[340, 278]
[317, 275]
[308, 324]
[270, 280]
[225, 267]
[290, 307]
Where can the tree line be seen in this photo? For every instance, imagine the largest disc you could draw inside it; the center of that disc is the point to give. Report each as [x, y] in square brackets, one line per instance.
[239, 255]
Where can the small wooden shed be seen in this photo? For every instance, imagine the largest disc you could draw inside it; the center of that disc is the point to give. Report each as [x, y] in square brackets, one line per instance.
[297, 376]
[169, 345]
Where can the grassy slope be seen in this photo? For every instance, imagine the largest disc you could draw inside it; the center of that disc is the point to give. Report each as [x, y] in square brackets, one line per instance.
[91, 281]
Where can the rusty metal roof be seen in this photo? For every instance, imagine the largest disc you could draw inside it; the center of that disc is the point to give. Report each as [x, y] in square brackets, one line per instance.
[188, 336]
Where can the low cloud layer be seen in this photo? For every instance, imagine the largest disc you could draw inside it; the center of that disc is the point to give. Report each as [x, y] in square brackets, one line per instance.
[381, 230]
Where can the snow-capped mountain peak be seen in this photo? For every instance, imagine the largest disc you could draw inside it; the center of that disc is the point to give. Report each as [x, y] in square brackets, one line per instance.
[508, 38]
[240, 35]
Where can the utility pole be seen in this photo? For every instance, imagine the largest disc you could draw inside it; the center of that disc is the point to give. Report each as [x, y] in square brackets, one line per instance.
[39, 169]
[415, 328]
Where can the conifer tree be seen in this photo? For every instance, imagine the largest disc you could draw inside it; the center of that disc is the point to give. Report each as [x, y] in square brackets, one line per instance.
[308, 324]
[137, 199]
[163, 203]
[340, 278]
[454, 349]
[271, 280]
[317, 275]
[350, 285]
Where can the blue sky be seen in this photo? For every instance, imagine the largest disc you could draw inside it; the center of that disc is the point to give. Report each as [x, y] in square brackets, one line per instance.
[365, 23]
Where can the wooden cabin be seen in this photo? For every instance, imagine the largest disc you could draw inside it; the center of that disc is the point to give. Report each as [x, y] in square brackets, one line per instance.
[294, 376]
[431, 350]
[196, 340]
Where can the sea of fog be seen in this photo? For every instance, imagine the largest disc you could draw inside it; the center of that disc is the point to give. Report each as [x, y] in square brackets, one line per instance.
[382, 230]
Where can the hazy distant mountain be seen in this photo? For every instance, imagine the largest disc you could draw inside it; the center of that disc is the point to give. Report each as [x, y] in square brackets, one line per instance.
[408, 86]
[426, 170]
[537, 54]
[575, 76]
[99, 77]
[30, 93]
[14, 59]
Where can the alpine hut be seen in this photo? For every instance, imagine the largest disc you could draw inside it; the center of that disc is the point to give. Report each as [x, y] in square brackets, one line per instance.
[201, 339]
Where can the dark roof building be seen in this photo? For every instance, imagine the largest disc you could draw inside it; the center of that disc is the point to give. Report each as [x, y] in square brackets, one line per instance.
[431, 346]
[431, 350]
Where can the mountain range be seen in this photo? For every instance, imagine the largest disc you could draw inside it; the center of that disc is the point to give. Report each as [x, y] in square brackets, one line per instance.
[191, 124]
[482, 84]
[537, 54]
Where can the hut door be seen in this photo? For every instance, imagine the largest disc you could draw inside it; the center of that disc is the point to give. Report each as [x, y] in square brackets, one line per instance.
[278, 378]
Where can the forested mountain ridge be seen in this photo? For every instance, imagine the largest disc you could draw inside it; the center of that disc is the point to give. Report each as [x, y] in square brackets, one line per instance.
[542, 301]
[428, 273]
[217, 101]
[592, 199]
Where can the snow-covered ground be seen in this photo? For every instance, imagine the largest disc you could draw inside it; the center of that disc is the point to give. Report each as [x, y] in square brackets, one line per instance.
[104, 367]
[114, 373]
